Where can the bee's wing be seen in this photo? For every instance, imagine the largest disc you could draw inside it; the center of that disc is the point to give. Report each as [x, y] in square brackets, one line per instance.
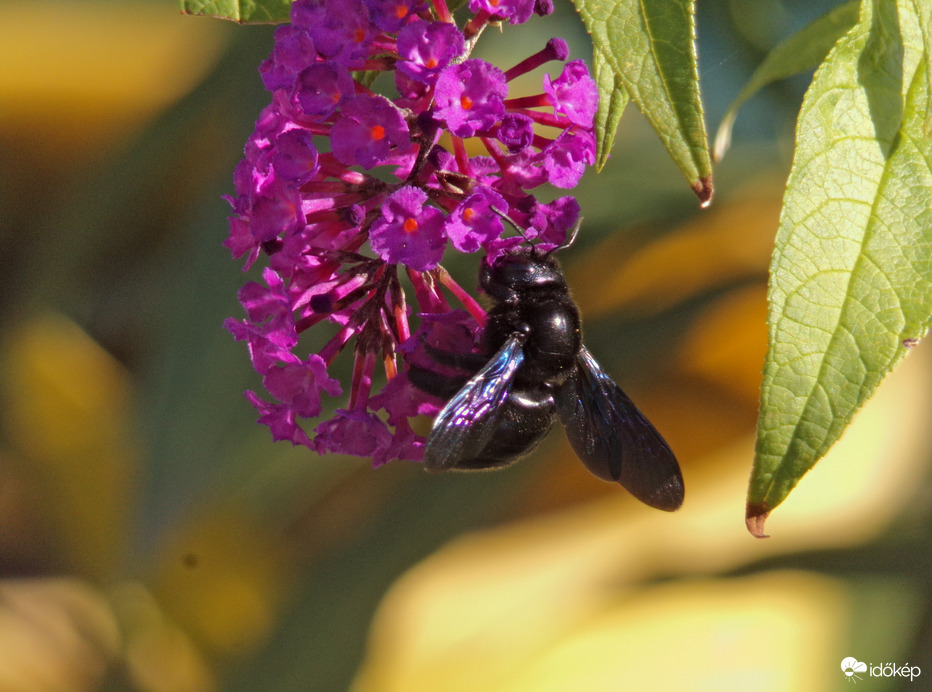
[469, 420]
[614, 440]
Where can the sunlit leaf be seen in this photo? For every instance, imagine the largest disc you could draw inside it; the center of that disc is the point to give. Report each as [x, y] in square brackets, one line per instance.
[851, 276]
[801, 52]
[244, 11]
[649, 46]
[924, 12]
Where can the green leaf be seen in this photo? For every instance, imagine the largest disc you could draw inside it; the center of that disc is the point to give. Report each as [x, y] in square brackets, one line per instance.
[648, 48]
[612, 101]
[243, 11]
[923, 10]
[366, 77]
[801, 52]
[851, 276]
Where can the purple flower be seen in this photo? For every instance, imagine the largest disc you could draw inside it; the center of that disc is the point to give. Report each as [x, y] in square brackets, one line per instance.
[560, 216]
[321, 87]
[523, 170]
[565, 159]
[269, 307]
[474, 222]
[295, 158]
[278, 210]
[515, 11]
[574, 93]
[359, 433]
[281, 419]
[470, 97]
[260, 220]
[335, 240]
[409, 232]
[427, 47]
[369, 129]
[411, 90]
[405, 444]
[340, 29]
[293, 51]
[391, 15]
[299, 385]
[270, 327]
[516, 131]
[241, 241]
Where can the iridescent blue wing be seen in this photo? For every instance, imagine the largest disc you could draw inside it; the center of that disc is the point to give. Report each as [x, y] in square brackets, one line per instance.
[614, 439]
[463, 428]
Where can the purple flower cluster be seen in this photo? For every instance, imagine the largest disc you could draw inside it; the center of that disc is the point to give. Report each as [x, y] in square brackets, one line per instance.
[340, 186]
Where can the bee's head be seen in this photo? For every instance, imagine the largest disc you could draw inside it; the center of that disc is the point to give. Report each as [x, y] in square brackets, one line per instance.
[519, 272]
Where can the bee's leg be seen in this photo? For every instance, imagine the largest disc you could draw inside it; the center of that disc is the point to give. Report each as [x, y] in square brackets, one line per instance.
[441, 386]
[472, 362]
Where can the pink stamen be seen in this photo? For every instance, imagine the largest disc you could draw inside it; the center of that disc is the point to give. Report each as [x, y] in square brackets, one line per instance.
[535, 101]
[462, 158]
[556, 49]
[333, 347]
[544, 118]
[476, 24]
[443, 12]
[470, 303]
[363, 367]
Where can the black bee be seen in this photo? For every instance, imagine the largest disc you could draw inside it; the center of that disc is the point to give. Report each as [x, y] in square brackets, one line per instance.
[538, 368]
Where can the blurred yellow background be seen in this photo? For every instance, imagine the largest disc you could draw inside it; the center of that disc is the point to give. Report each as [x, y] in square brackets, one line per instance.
[152, 537]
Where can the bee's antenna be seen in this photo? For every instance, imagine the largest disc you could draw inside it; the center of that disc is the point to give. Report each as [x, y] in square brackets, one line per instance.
[572, 238]
[521, 232]
[512, 223]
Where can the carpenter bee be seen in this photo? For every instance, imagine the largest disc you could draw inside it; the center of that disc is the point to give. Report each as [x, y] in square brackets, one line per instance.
[536, 368]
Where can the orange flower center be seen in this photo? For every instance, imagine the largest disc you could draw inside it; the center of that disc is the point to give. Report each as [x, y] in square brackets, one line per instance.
[410, 225]
[377, 132]
[465, 102]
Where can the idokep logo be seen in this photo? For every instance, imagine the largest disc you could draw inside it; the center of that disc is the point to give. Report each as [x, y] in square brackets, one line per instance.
[851, 667]
[854, 670]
